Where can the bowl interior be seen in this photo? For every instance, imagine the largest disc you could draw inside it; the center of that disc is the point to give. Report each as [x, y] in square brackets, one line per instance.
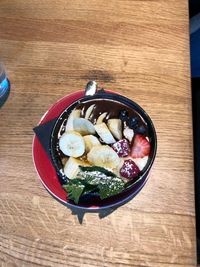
[92, 198]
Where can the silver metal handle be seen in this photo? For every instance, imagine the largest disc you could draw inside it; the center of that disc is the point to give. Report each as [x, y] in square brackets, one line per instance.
[91, 88]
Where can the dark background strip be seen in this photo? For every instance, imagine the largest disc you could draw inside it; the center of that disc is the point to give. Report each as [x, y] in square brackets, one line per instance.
[194, 7]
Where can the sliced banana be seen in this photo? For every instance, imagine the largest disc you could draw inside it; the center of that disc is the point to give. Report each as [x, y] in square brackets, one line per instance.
[115, 126]
[103, 156]
[89, 111]
[72, 144]
[104, 133]
[71, 167]
[76, 113]
[90, 141]
[101, 118]
[128, 134]
[83, 126]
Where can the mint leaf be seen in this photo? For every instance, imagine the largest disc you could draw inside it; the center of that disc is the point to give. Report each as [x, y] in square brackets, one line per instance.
[91, 179]
[113, 186]
[74, 189]
[106, 185]
[89, 188]
[97, 169]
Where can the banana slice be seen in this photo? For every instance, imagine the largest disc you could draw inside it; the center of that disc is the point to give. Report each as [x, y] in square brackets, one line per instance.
[72, 144]
[90, 141]
[101, 118]
[104, 133]
[71, 167]
[76, 113]
[89, 111]
[103, 156]
[83, 126]
[115, 126]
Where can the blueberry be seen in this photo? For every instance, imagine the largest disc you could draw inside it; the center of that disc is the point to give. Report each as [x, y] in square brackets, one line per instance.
[123, 115]
[133, 122]
[141, 129]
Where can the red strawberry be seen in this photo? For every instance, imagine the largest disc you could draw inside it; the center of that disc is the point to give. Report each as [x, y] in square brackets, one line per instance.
[141, 147]
[122, 148]
[129, 169]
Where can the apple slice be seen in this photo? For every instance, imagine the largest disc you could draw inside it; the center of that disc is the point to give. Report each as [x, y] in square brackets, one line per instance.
[115, 126]
[104, 133]
[101, 118]
[89, 112]
[76, 113]
[83, 126]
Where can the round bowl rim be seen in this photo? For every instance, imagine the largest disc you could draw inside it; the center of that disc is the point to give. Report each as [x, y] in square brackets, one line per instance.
[109, 95]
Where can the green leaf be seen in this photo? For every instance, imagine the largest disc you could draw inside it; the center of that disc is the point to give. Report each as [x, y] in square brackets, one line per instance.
[107, 185]
[74, 189]
[112, 187]
[89, 188]
[91, 179]
[97, 169]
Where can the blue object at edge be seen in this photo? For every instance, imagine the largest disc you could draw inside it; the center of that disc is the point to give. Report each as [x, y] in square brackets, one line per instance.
[195, 53]
[4, 91]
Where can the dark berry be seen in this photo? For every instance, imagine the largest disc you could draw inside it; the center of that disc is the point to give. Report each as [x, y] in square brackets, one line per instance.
[133, 122]
[122, 148]
[141, 130]
[129, 169]
[123, 115]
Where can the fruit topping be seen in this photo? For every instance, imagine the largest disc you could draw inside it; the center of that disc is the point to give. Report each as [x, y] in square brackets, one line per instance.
[90, 141]
[71, 167]
[141, 147]
[104, 133]
[89, 111]
[123, 115]
[101, 118]
[128, 134]
[71, 143]
[133, 122]
[105, 146]
[122, 148]
[76, 113]
[141, 162]
[129, 169]
[115, 126]
[140, 130]
[83, 126]
[93, 179]
[103, 156]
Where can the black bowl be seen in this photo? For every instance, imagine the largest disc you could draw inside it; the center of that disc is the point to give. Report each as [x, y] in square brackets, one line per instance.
[62, 119]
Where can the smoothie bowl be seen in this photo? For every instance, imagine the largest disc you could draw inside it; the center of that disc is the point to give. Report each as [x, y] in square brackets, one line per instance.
[102, 147]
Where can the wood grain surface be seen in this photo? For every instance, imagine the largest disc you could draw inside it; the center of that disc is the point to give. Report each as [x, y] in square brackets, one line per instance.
[139, 48]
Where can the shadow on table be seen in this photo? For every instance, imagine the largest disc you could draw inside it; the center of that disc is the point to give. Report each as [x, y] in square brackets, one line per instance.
[80, 213]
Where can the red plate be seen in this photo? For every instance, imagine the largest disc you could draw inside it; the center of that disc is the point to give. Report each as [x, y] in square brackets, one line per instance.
[47, 173]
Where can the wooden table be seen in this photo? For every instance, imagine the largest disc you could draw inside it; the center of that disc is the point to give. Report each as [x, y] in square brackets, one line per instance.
[139, 48]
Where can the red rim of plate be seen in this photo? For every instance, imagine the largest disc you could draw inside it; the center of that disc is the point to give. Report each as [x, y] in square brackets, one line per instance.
[46, 171]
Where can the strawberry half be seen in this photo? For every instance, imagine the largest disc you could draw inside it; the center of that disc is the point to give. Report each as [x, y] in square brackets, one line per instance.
[141, 147]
